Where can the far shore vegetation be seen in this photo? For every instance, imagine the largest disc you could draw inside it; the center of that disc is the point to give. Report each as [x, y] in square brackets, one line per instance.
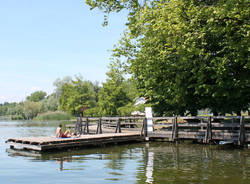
[182, 56]
[72, 96]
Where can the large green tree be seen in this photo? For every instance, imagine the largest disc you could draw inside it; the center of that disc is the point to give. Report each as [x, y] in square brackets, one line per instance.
[112, 95]
[37, 96]
[77, 94]
[50, 103]
[187, 55]
[117, 94]
[31, 109]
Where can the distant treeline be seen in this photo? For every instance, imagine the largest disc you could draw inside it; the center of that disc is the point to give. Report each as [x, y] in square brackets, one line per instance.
[75, 97]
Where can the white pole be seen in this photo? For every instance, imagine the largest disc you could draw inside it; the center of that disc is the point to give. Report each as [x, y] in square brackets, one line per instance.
[149, 117]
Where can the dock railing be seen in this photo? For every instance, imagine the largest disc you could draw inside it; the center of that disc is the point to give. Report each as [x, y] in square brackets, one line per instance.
[206, 129]
[99, 125]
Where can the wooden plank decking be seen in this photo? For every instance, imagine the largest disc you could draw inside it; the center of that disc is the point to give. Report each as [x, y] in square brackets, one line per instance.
[50, 143]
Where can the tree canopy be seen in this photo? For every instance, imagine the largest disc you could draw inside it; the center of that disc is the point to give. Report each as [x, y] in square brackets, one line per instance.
[37, 96]
[186, 55]
[116, 92]
[31, 109]
[77, 94]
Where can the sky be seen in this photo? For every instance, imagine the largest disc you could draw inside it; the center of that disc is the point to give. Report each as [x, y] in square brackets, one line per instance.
[42, 40]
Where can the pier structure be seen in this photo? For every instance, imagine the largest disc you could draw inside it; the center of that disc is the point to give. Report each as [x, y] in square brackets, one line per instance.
[204, 129]
[90, 132]
[109, 130]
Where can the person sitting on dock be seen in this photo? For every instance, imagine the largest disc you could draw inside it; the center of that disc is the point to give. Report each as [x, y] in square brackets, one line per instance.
[60, 134]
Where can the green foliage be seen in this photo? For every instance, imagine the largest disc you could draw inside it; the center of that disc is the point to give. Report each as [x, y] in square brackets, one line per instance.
[37, 96]
[115, 93]
[17, 117]
[51, 103]
[38, 103]
[77, 94]
[19, 112]
[11, 109]
[58, 83]
[31, 109]
[3, 110]
[187, 55]
[126, 110]
[48, 116]
[92, 112]
[108, 6]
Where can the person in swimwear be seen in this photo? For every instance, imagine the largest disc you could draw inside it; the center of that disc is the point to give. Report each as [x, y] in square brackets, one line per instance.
[60, 134]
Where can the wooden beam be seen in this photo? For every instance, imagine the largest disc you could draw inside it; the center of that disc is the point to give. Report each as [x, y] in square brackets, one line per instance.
[25, 146]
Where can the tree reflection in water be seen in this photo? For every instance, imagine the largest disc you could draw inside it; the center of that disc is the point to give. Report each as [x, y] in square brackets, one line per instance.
[189, 163]
[154, 163]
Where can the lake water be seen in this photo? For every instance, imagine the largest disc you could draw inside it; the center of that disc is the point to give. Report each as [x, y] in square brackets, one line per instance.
[154, 162]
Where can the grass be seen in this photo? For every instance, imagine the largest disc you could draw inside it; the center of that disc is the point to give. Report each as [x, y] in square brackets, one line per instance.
[58, 115]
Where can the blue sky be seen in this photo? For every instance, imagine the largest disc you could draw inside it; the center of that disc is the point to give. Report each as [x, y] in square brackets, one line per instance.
[42, 40]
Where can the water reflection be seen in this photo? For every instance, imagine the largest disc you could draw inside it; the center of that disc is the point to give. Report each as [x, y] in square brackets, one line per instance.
[188, 163]
[61, 160]
[152, 163]
[149, 167]
[114, 157]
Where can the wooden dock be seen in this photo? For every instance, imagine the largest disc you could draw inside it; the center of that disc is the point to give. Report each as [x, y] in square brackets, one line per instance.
[108, 130]
[50, 143]
[235, 129]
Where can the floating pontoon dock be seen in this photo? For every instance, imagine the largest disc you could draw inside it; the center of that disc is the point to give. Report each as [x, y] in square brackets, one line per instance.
[50, 143]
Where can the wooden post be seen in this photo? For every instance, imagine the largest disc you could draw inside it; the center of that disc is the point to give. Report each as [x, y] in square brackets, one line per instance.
[80, 125]
[86, 127]
[208, 135]
[77, 126]
[175, 129]
[232, 128]
[118, 126]
[144, 127]
[241, 140]
[99, 126]
[210, 130]
[201, 122]
[97, 129]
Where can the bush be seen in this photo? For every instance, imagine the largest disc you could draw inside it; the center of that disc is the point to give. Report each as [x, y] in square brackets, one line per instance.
[17, 117]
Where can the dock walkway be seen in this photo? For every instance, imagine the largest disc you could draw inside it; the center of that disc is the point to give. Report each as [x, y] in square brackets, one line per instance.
[51, 143]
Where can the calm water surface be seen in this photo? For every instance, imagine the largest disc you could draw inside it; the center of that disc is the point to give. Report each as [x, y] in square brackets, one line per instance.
[158, 163]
